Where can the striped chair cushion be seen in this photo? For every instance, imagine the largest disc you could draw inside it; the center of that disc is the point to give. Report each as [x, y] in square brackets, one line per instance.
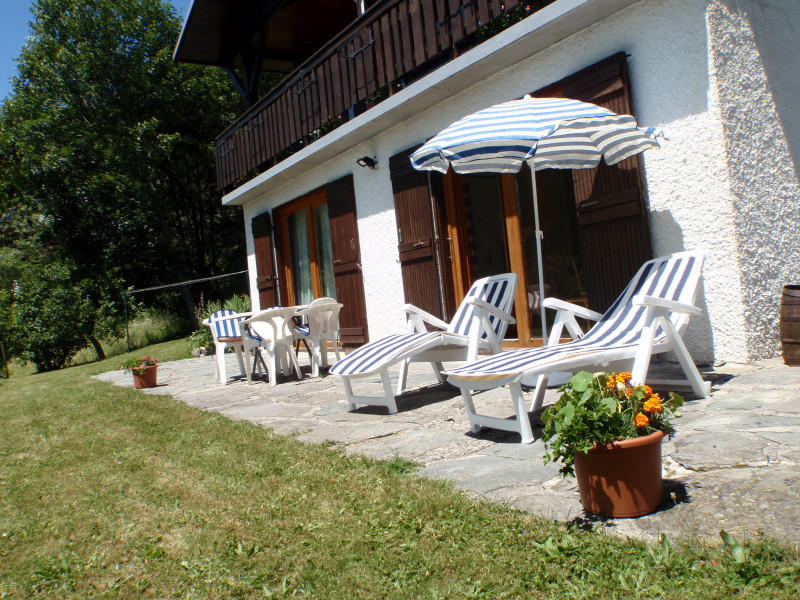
[620, 328]
[227, 329]
[371, 357]
[497, 293]
[302, 329]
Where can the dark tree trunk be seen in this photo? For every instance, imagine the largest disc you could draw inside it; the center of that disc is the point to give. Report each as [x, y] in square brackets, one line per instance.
[101, 355]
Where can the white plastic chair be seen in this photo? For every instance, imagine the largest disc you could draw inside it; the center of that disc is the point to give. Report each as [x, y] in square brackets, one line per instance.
[648, 318]
[226, 332]
[321, 325]
[269, 331]
[479, 324]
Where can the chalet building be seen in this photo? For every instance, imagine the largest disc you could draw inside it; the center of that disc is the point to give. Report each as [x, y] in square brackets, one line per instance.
[332, 206]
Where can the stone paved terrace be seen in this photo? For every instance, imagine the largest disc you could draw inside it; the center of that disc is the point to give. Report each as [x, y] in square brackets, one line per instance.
[732, 465]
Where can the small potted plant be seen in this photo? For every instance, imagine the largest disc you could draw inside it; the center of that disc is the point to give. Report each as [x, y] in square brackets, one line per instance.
[144, 369]
[608, 434]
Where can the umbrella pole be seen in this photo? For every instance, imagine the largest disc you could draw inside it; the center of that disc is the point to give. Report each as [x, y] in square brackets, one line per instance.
[539, 236]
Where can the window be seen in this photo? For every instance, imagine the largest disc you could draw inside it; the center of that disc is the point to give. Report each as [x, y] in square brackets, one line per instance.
[309, 265]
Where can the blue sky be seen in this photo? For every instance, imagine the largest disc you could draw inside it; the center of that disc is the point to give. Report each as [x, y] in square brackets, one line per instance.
[14, 29]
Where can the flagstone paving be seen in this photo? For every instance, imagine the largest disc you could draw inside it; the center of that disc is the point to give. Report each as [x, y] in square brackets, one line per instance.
[732, 465]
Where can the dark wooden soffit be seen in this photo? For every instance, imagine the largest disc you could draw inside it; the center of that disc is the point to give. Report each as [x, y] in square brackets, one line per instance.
[218, 32]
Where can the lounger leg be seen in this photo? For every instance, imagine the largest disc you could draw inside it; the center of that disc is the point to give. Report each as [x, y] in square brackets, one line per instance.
[348, 392]
[466, 395]
[701, 388]
[403, 377]
[437, 370]
[387, 391]
[522, 415]
[522, 424]
[387, 399]
[538, 395]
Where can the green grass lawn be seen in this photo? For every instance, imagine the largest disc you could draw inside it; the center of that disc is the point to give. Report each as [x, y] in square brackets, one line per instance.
[107, 492]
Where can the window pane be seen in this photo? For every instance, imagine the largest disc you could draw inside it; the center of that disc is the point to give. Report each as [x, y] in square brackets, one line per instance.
[324, 250]
[561, 249]
[301, 260]
[485, 231]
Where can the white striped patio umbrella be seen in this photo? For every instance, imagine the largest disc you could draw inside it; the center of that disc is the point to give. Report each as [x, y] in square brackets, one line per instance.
[547, 133]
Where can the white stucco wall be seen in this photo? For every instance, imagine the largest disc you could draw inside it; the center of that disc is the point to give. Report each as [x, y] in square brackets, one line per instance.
[684, 59]
[755, 58]
[383, 287]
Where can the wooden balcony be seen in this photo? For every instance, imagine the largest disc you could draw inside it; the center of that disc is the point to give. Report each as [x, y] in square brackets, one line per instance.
[387, 48]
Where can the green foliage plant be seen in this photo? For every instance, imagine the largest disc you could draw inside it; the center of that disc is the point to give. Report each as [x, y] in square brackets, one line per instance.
[106, 153]
[139, 365]
[51, 317]
[599, 408]
[147, 328]
[238, 303]
[201, 338]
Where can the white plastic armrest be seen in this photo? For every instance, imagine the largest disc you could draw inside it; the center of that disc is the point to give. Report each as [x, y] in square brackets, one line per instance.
[427, 317]
[230, 317]
[671, 305]
[269, 314]
[577, 310]
[492, 309]
[319, 308]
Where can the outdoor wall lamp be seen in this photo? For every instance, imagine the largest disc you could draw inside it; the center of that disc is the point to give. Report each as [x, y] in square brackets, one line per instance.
[366, 161]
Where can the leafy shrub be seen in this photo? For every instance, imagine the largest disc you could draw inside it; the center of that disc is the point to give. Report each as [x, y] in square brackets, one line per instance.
[53, 318]
[201, 339]
[147, 328]
[238, 303]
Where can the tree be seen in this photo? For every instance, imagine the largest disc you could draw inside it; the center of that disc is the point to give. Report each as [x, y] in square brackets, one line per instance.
[51, 317]
[109, 144]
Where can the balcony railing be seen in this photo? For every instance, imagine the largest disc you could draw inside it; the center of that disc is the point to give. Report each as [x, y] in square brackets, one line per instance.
[391, 45]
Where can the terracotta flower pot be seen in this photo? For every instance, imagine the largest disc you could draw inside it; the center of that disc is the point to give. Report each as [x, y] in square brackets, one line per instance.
[147, 379]
[621, 479]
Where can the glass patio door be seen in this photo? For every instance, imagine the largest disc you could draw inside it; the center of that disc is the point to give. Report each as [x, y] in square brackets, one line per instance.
[309, 267]
[483, 215]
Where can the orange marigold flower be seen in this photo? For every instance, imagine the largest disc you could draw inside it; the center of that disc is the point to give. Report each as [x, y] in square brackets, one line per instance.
[624, 377]
[641, 420]
[611, 383]
[628, 392]
[648, 391]
[653, 405]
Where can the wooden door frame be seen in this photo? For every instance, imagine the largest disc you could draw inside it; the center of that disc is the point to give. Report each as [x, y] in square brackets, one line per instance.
[456, 235]
[512, 230]
[306, 203]
[516, 260]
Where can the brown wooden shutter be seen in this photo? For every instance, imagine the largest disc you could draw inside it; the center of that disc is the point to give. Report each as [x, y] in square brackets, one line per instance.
[612, 220]
[265, 268]
[418, 208]
[341, 200]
